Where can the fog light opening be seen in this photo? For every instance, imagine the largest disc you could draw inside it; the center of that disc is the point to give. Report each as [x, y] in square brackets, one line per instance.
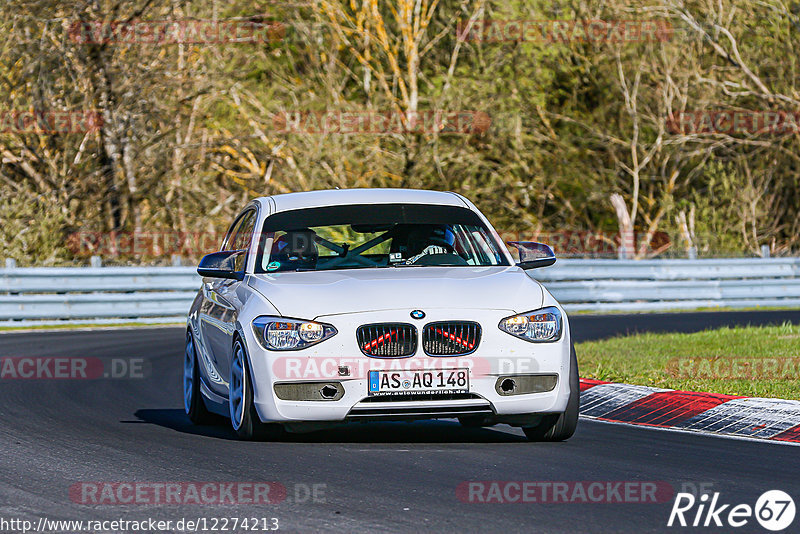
[508, 385]
[328, 391]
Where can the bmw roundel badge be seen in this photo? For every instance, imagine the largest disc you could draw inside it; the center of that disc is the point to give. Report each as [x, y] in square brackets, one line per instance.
[417, 314]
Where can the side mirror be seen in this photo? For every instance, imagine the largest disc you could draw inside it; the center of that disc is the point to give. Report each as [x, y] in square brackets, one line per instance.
[222, 265]
[533, 255]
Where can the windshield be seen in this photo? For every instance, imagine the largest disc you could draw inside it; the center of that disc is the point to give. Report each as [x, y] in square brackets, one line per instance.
[372, 236]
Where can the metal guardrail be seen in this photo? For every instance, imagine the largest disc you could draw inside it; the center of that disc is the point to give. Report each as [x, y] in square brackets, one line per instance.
[150, 294]
[96, 294]
[649, 285]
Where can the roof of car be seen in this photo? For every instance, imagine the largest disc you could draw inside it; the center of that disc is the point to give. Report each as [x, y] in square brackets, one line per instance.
[334, 197]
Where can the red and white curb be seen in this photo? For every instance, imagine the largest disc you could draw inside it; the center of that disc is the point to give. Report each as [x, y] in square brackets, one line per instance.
[729, 415]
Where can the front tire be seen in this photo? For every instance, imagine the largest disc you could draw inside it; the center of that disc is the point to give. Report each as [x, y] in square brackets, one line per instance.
[560, 427]
[244, 418]
[193, 403]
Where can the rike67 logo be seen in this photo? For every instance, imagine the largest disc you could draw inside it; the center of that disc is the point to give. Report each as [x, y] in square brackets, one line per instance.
[774, 510]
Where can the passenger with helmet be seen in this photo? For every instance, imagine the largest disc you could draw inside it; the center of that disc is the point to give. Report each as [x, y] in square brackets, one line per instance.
[433, 245]
[296, 249]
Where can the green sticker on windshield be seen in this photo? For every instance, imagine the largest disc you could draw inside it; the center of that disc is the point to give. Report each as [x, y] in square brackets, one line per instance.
[273, 265]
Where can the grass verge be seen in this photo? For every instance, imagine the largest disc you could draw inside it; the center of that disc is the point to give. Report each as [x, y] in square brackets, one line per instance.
[683, 310]
[748, 361]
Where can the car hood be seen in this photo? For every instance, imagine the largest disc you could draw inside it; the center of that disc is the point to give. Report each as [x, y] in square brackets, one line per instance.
[310, 294]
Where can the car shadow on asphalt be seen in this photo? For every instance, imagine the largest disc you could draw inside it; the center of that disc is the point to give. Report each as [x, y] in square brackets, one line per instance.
[436, 431]
[177, 420]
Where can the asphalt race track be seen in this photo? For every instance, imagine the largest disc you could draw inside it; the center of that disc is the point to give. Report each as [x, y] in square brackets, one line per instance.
[379, 477]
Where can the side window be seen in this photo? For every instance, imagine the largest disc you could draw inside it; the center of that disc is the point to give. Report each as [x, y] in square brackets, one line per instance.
[227, 243]
[239, 236]
[244, 233]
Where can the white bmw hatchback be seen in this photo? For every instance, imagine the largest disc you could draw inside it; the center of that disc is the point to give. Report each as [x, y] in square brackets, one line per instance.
[376, 304]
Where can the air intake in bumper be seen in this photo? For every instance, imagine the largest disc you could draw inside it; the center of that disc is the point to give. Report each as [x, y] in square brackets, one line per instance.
[309, 391]
[392, 413]
[523, 384]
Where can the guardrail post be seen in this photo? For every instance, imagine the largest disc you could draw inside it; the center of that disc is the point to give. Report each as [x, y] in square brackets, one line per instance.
[96, 261]
[692, 252]
[11, 263]
[765, 251]
[627, 245]
[177, 260]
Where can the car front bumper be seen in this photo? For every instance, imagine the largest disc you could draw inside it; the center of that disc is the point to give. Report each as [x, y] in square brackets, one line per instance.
[498, 355]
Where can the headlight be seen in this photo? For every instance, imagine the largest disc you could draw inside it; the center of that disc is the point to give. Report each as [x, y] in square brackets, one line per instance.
[277, 333]
[539, 326]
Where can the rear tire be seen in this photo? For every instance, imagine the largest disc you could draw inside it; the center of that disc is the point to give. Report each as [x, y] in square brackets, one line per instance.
[193, 403]
[244, 418]
[560, 427]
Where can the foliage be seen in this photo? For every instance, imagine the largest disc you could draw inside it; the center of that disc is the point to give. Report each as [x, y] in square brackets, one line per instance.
[190, 131]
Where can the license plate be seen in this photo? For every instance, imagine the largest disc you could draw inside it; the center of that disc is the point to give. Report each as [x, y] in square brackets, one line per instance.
[445, 381]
